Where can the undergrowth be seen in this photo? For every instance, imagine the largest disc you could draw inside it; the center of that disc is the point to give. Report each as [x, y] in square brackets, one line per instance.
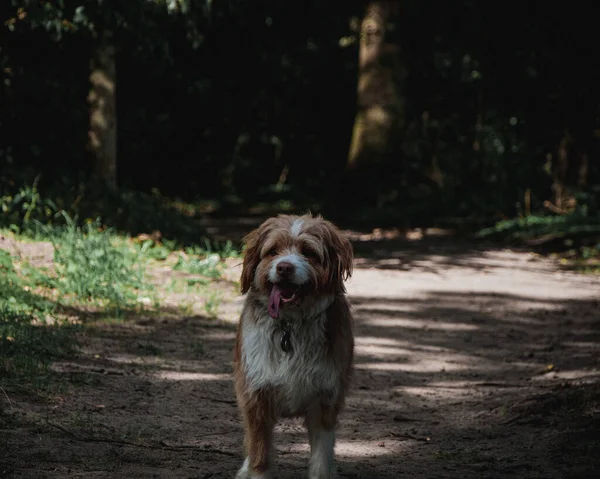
[206, 260]
[537, 226]
[27, 201]
[576, 235]
[32, 334]
[91, 266]
[96, 272]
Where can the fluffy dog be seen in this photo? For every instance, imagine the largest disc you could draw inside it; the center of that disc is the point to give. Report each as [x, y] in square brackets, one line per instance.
[294, 345]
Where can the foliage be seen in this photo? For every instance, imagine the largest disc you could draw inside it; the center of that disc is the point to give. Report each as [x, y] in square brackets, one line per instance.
[31, 334]
[273, 110]
[206, 261]
[577, 223]
[576, 234]
[21, 209]
[90, 266]
[28, 201]
[537, 226]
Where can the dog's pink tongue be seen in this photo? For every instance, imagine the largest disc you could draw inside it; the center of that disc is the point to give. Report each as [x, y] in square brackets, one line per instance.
[274, 301]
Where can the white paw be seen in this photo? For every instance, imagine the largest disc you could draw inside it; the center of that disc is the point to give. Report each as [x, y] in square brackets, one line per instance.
[245, 473]
[321, 471]
[322, 463]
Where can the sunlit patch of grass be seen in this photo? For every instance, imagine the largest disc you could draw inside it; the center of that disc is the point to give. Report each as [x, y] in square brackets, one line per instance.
[212, 303]
[94, 276]
[537, 226]
[32, 332]
[94, 266]
[207, 260]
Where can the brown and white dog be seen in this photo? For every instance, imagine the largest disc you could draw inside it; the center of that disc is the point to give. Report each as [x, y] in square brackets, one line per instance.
[295, 345]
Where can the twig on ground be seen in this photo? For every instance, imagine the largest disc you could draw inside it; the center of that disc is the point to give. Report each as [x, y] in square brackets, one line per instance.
[7, 398]
[224, 401]
[163, 447]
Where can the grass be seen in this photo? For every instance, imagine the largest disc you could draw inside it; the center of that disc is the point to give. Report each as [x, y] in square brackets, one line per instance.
[206, 260]
[92, 266]
[95, 273]
[32, 334]
[575, 237]
[26, 200]
[530, 227]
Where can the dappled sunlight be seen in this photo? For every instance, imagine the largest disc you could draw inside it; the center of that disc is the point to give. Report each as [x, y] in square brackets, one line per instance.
[573, 374]
[219, 336]
[134, 360]
[375, 350]
[416, 279]
[363, 341]
[464, 384]
[419, 324]
[448, 375]
[381, 306]
[186, 376]
[357, 449]
[419, 365]
[437, 393]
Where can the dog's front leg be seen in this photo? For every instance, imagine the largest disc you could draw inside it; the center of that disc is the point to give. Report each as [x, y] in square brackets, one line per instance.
[259, 421]
[320, 422]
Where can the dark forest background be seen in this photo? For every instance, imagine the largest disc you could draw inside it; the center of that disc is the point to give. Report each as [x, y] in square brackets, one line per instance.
[410, 113]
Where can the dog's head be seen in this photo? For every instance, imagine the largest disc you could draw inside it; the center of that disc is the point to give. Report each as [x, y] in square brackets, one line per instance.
[291, 258]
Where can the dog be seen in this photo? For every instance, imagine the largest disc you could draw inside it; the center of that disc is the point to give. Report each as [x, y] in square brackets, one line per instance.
[294, 345]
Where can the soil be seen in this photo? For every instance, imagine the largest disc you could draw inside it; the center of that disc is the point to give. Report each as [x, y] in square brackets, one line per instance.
[471, 362]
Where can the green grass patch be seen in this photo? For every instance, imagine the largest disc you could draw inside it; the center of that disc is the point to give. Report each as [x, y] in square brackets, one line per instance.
[92, 266]
[93, 272]
[32, 333]
[575, 237]
[92, 269]
[538, 226]
[207, 260]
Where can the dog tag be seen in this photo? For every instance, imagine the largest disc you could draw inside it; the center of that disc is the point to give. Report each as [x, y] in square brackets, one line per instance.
[286, 344]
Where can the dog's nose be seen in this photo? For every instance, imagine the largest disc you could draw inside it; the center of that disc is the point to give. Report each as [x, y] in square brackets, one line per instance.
[285, 269]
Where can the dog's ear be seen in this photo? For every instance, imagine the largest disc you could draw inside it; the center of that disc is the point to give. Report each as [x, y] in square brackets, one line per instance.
[251, 259]
[342, 254]
[253, 242]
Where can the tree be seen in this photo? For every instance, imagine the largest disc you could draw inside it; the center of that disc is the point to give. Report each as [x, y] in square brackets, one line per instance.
[98, 26]
[380, 102]
[103, 111]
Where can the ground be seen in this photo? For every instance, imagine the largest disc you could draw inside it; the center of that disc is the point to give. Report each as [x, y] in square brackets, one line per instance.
[471, 362]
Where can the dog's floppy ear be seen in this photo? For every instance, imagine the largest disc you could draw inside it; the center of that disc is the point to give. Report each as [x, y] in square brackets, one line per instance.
[251, 259]
[253, 242]
[342, 253]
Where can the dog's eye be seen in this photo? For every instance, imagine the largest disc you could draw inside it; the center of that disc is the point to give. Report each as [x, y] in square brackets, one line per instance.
[272, 252]
[311, 254]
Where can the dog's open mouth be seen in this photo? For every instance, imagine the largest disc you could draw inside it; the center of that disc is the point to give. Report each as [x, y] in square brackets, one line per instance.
[281, 293]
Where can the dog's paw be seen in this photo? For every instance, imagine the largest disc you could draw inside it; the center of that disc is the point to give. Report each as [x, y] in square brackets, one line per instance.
[321, 471]
[322, 474]
[245, 472]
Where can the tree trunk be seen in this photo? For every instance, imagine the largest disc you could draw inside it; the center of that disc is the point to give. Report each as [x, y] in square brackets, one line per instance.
[103, 114]
[380, 103]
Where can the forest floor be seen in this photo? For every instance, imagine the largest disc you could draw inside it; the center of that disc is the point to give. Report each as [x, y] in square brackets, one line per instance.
[472, 361]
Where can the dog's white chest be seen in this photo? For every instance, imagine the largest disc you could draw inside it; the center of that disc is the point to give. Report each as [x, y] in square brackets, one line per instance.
[300, 374]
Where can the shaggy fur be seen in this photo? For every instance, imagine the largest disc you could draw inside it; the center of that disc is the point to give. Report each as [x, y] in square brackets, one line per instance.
[294, 344]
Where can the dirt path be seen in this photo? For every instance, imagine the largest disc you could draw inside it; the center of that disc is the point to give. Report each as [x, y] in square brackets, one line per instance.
[471, 363]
